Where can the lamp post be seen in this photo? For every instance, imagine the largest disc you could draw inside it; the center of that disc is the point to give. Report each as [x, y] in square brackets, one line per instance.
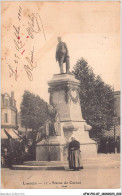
[115, 147]
[114, 122]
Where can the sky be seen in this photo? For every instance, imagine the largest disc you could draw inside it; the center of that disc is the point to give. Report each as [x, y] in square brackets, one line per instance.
[90, 29]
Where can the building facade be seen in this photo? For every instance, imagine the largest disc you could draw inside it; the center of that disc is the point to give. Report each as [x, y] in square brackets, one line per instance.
[8, 111]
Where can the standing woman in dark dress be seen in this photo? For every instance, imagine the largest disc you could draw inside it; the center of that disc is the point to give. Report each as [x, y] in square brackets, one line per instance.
[74, 155]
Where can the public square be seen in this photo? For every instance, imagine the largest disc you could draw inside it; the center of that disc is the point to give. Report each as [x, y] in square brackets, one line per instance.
[100, 172]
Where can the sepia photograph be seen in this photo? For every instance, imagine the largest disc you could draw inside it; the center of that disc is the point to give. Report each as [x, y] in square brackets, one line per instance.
[60, 95]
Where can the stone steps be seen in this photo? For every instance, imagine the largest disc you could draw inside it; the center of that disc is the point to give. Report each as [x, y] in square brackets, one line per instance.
[41, 165]
[45, 163]
[30, 167]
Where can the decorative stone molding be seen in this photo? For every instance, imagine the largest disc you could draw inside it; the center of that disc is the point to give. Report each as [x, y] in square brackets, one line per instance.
[71, 92]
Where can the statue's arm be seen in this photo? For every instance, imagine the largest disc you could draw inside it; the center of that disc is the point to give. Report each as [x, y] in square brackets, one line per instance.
[56, 55]
[67, 52]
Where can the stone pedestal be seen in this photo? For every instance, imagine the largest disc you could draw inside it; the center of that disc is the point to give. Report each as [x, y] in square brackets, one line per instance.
[48, 149]
[64, 94]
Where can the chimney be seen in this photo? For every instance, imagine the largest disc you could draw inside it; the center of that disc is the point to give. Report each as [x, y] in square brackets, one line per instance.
[12, 94]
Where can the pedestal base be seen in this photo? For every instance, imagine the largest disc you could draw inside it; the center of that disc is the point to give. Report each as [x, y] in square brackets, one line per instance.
[64, 94]
[55, 148]
[48, 149]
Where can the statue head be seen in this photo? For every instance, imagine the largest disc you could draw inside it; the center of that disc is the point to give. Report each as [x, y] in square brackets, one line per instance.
[72, 138]
[59, 39]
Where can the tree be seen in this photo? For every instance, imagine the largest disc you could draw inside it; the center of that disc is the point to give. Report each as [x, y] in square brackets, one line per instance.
[96, 97]
[35, 111]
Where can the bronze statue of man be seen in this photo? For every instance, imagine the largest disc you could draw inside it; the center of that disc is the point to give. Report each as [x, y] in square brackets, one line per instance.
[62, 55]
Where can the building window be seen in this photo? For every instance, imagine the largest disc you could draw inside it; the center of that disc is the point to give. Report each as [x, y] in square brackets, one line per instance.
[6, 118]
[6, 102]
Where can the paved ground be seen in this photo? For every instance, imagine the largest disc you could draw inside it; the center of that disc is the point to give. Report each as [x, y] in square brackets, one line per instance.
[102, 171]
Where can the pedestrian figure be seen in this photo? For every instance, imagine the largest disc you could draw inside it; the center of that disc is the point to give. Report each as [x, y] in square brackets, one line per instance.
[3, 157]
[118, 144]
[74, 155]
[107, 146]
[111, 146]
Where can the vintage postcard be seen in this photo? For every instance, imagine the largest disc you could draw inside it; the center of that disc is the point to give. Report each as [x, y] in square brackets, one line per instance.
[60, 95]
